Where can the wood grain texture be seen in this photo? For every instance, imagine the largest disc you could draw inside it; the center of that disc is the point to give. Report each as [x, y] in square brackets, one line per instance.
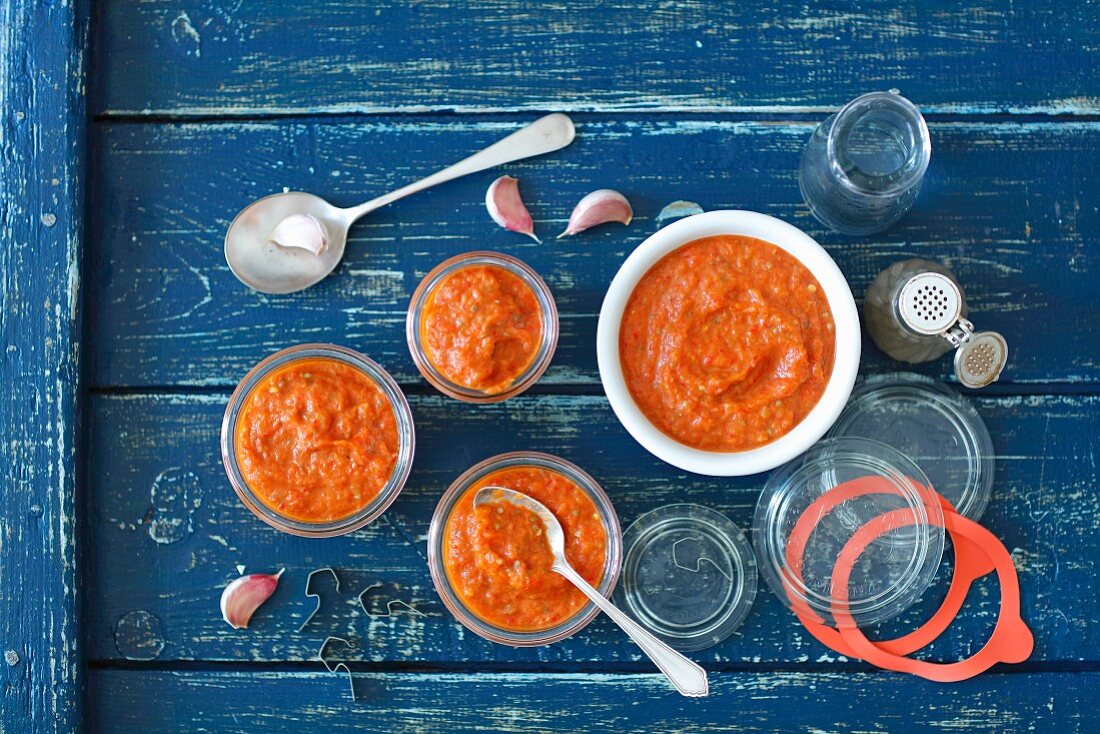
[828, 703]
[42, 51]
[204, 105]
[1012, 207]
[216, 57]
[168, 531]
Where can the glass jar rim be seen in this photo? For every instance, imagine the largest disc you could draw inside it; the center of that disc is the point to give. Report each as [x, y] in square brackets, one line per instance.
[925, 147]
[548, 313]
[771, 534]
[442, 513]
[405, 430]
[950, 410]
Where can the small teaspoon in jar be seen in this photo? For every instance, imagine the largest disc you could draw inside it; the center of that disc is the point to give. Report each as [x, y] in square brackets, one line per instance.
[689, 678]
[264, 265]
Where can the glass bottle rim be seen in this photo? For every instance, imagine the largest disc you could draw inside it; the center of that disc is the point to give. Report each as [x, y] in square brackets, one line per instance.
[405, 431]
[442, 513]
[548, 313]
[924, 148]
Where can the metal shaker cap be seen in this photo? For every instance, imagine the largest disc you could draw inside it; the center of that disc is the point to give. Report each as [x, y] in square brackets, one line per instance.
[931, 303]
[980, 358]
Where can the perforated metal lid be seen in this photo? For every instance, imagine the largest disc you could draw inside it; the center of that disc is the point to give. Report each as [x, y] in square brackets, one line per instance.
[980, 358]
[930, 303]
[689, 575]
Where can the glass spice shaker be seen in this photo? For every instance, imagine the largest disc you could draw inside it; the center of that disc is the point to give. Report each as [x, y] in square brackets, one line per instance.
[863, 166]
[915, 311]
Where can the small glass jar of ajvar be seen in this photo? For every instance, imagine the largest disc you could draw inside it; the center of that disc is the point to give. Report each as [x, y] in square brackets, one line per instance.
[317, 440]
[519, 588]
[482, 327]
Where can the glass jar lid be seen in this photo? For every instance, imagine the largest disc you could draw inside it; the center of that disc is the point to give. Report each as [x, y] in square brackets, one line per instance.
[689, 575]
[809, 510]
[931, 424]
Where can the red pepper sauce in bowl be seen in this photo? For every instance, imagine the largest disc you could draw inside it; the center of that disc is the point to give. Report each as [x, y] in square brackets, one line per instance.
[316, 440]
[497, 559]
[727, 343]
[481, 327]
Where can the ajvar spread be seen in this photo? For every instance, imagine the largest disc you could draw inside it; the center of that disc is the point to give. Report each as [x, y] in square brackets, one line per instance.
[727, 343]
[481, 327]
[316, 440]
[497, 558]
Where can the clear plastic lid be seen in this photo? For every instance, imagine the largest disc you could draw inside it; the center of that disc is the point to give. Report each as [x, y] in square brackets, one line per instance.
[689, 575]
[932, 425]
[811, 507]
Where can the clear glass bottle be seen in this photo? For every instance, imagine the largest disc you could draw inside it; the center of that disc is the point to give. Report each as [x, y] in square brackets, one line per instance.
[863, 166]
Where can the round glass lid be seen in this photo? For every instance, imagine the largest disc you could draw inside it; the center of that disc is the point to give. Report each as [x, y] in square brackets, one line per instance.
[932, 425]
[689, 575]
[812, 507]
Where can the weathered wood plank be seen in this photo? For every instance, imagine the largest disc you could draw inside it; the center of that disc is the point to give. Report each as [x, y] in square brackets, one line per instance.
[167, 532]
[533, 702]
[42, 51]
[209, 57]
[1012, 207]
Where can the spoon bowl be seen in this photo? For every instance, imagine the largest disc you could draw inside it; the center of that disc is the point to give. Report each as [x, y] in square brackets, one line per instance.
[555, 536]
[687, 677]
[265, 266]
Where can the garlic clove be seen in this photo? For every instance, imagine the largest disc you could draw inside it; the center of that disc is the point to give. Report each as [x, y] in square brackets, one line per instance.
[599, 207]
[244, 595]
[507, 208]
[677, 210]
[300, 230]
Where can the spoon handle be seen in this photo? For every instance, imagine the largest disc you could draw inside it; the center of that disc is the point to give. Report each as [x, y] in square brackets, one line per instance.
[688, 678]
[544, 135]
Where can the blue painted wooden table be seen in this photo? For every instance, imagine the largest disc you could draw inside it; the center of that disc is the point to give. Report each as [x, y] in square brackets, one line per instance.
[131, 133]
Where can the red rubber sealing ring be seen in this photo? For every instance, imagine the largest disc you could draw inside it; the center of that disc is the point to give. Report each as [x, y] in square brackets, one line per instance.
[1011, 641]
[977, 552]
[970, 564]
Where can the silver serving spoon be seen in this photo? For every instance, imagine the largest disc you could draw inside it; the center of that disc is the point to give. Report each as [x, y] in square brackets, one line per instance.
[260, 263]
[688, 678]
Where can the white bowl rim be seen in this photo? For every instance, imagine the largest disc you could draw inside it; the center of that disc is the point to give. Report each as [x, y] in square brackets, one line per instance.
[845, 363]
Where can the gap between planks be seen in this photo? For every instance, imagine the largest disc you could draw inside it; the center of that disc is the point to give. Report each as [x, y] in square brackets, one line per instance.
[584, 667]
[765, 115]
[1000, 390]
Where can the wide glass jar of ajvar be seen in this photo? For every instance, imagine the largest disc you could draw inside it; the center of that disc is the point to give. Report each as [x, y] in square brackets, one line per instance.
[491, 564]
[317, 440]
[482, 327]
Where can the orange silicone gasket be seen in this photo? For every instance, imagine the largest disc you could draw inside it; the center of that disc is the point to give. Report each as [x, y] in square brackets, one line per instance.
[969, 566]
[977, 553]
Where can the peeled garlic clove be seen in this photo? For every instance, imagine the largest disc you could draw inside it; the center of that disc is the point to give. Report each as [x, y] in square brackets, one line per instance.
[507, 208]
[602, 205]
[300, 230]
[243, 596]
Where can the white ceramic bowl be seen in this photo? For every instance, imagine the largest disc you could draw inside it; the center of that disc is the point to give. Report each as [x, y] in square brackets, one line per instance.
[845, 365]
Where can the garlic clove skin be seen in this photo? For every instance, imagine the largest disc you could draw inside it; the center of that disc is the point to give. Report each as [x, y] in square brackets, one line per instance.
[303, 231]
[507, 209]
[677, 210]
[244, 595]
[599, 207]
